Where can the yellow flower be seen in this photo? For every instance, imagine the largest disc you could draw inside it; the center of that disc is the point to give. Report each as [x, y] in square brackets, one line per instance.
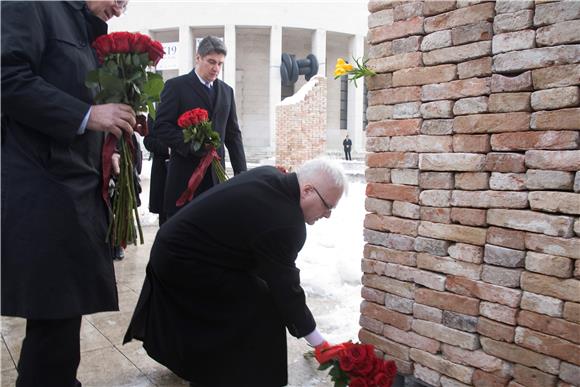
[353, 73]
[342, 68]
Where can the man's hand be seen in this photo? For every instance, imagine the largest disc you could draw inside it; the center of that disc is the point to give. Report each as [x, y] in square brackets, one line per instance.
[319, 352]
[114, 118]
[115, 163]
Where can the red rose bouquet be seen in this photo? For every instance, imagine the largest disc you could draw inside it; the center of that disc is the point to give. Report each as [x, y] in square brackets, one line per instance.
[197, 131]
[356, 365]
[123, 78]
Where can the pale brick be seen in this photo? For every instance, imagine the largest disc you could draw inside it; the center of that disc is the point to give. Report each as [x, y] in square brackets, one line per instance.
[380, 18]
[492, 123]
[435, 198]
[569, 373]
[489, 199]
[424, 75]
[457, 233]
[538, 180]
[471, 106]
[572, 312]
[502, 256]
[484, 291]
[436, 214]
[564, 202]
[424, 312]
[427, 375]
[399, 304]
[556, 246]
[565, 289]
[437, 127]
[395, 62]
[405, 176]
[501, 276]
[468, 216]
[445, 367]
[496, 330]
[398, 29]
[457, 54]
[549, 325]
[403, 144]
[451, 162]
[477, 359]
[472, 87]
[379, 206]
[535, 58]
[435, 7]
[411, 339]
[448, 266]
[553, 160]
[446, 335]
[542, 304]
[400, 226]
[556, 12]
[531, 221]
[520, 355]
[447, 301]
[530, 377]
[389, 285]
[393, 192]
[391, 241]
[513, 41]
[406, 210]
[535, 140]
[370, 324]
[439, 39]
[378, 82]
[509, 102]
[506, 6]
[420, 277]
[448, 382]
[459, 321]
[472, 181]
[373, 222]
[472, 33]
[392, 160]
[378, 113]
[498, 312]
[506, 237]
[460, 17]
[466, 253]
[577, 232]
[437, 109]
[559, 33]
[436, 180]
[378, 5]
[387, 346]
[388, 255]
[558, 120]
[471, 143]
[485, 379]
[514, 21]
[378, 175]
[546, 344]
[557, 98]
[382, 314]
[556, 76]
[507, 181]
[432, 246]
[505, 162]
[475, 68]
[372, 295]
[406, 110]
[393, 128]
[407, 10]
[577, 182]
[502, 83]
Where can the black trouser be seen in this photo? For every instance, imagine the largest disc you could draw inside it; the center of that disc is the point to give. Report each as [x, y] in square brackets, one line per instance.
[50, 354]
[347, 155]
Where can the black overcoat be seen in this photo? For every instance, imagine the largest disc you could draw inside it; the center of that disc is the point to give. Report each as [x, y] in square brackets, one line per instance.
[222, 286]
[55, 261]
[179, 95]
[160, 153]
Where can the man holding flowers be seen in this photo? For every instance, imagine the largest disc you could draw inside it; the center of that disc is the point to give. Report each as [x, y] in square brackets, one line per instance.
[201, 88]
[56, 263]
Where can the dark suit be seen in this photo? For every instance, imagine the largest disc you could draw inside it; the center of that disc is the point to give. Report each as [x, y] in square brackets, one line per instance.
[179, 95]
[219, 295]
[56, 264]
[160, 153]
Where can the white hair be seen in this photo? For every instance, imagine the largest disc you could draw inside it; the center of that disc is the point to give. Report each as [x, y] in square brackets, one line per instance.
[312, 170]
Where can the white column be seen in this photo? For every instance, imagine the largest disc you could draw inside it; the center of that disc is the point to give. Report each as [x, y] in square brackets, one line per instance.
[319, 50]
[275, 80]
[186, 50]
[355, 99]
[230, 61]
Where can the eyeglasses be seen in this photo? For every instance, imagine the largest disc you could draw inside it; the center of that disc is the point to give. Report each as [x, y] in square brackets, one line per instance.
[121, 4]
[329, 208]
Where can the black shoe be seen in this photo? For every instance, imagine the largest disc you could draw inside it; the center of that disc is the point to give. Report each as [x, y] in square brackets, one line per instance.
[119, 253]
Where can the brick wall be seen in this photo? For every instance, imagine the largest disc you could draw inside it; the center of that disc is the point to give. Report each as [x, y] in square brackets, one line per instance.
[472, 259]
[301, 124]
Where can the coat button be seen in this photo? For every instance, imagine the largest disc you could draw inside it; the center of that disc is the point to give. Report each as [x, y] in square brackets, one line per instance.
[82, 44]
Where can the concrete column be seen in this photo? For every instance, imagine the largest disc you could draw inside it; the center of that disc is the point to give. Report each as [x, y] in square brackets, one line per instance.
[319, 50]
[275, 80]
[186, 50]
[230, 61]
[355, 99]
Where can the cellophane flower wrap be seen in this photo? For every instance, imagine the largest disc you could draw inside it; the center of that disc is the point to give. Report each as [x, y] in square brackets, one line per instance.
[354, 72]
[198, 132]
[356, 365]
[123, 78]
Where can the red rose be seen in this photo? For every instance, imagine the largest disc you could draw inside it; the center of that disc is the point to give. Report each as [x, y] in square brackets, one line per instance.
[155, 51]
[346, 363]
[104, 45]
[358, 382]
[382, 380]
[192, 117]
[122, 41]
[140, 43]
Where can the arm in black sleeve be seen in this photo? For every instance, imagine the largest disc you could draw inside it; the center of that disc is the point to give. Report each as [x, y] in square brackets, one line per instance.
[233, 140]
[166, 128]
